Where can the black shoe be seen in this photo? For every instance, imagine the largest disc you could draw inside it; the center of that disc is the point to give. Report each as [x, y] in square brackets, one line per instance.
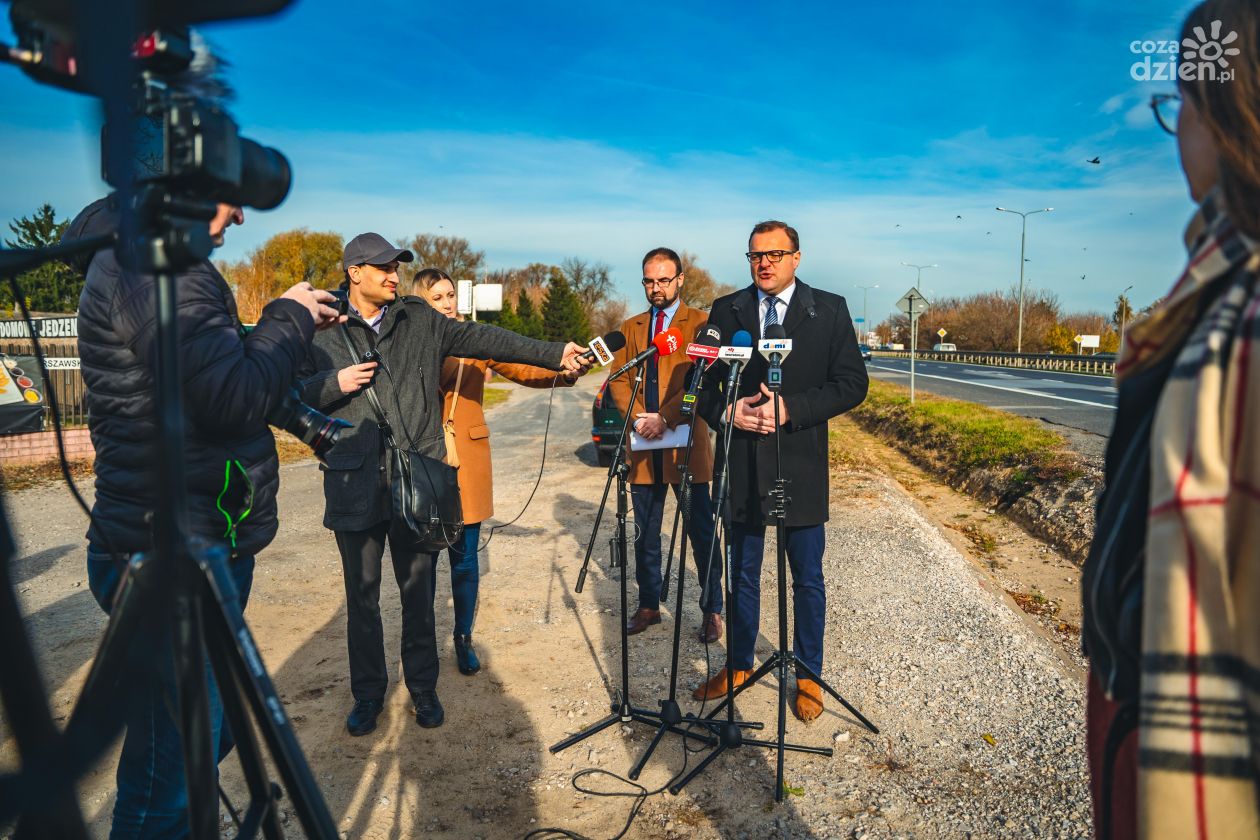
[362, 719]
[466, 656]
[429, 712]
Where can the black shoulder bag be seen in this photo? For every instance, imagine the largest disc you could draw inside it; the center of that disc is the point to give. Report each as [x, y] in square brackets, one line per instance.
[424, 492]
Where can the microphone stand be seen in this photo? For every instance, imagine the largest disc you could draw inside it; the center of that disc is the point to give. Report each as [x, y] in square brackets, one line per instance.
[781, 659]
[622, 711]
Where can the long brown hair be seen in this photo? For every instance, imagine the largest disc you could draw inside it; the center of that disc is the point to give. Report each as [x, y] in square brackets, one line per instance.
[425, 279]
[1230, 108]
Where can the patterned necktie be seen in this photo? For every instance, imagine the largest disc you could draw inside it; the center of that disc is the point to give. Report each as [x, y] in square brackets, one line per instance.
[772, 313]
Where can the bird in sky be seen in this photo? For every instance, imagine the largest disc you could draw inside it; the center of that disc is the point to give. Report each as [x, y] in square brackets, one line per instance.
[988, 232]
[896, 225]
[958, 217]
[1095, 161]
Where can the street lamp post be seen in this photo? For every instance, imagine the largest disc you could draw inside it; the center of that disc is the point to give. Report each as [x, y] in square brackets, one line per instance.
[1023, 237]
[919, 269]
[865, 324]
[1124, 312]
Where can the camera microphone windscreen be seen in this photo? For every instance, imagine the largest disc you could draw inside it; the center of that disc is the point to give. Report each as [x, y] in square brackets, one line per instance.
[742, 338]
[668, 342]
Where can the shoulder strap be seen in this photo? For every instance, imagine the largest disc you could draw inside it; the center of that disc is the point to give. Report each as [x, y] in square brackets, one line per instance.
[459, 378]
[387, 433]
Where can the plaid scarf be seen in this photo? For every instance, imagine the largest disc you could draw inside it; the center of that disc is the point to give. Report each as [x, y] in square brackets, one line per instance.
[1199, 710]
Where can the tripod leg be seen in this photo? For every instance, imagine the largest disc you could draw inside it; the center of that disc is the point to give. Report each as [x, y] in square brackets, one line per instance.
[699, 768]
[599, 726]
[766, 667]
[643, 759]
[826, 687]
[247, 667]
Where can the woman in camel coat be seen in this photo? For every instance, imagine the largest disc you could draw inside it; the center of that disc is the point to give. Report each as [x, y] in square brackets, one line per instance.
[462, 383]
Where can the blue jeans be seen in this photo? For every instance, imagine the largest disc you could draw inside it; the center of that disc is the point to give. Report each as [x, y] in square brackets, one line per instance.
[805, 546]
[464, 577]
[152, 797]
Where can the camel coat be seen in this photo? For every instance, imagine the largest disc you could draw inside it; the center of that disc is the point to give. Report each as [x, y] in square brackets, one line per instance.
[472, 435]
[673, 371]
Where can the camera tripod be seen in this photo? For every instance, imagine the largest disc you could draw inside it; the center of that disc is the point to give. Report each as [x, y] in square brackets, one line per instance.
[623, 711]
[183, 590]
[729, 731]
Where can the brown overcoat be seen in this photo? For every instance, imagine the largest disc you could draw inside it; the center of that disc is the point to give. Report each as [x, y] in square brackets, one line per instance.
[472, 435]
[672, 374]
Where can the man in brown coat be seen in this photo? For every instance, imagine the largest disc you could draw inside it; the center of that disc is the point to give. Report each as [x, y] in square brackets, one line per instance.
[658, 408]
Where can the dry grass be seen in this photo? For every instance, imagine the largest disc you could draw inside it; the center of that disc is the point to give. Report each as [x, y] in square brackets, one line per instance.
[495, 396]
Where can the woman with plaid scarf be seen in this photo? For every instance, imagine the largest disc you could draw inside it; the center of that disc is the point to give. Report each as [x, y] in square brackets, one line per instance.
[1171, 587]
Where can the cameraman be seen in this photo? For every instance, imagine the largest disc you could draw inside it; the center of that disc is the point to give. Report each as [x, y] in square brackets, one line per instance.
[230, 385]
[412, 338]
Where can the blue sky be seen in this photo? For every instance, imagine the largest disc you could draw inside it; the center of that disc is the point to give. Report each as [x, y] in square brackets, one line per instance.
[546, 130]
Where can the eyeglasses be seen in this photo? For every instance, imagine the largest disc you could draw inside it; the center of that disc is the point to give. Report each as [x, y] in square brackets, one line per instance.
[1167, 108]
[754, 257]
[649, 282]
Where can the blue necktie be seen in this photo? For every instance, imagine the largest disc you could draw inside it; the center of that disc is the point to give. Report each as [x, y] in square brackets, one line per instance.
[772, 313]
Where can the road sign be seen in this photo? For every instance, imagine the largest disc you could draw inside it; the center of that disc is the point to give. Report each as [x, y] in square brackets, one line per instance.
[859, 320]
[1090, 341]
[941, 332]
[1077, 339]
[913, 302]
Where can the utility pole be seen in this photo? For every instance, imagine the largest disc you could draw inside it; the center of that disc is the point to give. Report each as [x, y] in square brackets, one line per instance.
[865, 324]
[1023, 237]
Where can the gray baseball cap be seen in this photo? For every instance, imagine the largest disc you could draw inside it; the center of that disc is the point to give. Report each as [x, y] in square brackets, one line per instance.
[372, 249]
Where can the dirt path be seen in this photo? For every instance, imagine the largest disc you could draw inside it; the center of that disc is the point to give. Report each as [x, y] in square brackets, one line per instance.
[980, 714]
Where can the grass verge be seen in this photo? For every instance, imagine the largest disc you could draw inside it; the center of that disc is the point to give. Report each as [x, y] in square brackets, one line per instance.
[960, 438]
[495, 396]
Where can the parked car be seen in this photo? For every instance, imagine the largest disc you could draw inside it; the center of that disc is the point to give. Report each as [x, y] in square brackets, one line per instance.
[944, 348]
[606, 422]
[866, 352]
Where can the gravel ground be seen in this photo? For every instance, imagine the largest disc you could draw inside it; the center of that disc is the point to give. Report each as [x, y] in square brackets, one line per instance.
[981, 714]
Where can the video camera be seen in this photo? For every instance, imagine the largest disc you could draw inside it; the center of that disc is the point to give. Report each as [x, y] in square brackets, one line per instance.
[181, 137]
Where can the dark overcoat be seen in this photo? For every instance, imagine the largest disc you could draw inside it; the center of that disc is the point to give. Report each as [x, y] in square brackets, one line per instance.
[823, 376]
[414, 339]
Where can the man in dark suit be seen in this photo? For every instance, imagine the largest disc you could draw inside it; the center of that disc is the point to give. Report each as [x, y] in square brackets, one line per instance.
[824, 376]
[411, 338]
[657, 409]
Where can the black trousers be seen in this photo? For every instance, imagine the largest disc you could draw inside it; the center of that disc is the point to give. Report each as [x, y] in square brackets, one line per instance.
[361, 553]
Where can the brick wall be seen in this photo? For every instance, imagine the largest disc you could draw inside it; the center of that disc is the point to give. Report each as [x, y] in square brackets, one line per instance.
[42, 446]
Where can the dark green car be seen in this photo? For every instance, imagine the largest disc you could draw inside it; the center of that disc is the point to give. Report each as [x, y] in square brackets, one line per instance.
[606, 423]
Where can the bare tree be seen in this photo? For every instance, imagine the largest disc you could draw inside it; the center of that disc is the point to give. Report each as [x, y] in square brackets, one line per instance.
[700, 289]
[452, 254]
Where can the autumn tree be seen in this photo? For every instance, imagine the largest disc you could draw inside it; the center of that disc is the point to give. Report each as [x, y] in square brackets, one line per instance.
[610, 316]
[452, 254]
[699, 288]
[53, 286]
[290, 257]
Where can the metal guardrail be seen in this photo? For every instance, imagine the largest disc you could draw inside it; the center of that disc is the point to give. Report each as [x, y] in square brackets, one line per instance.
[1033, 361]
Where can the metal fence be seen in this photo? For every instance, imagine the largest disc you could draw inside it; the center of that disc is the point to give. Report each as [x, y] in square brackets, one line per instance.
[67, 383]
[1034, 361]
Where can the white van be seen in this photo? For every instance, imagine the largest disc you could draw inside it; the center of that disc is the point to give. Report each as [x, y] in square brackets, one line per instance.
[944, 348]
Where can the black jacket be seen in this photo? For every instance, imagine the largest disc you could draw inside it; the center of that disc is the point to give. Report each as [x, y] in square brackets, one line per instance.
[230, 384]
[823, 376]
[414, 339]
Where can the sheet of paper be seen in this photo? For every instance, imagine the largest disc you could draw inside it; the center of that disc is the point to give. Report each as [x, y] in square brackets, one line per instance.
[672, 439]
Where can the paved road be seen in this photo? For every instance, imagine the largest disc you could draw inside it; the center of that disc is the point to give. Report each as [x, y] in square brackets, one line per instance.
[1080, 401]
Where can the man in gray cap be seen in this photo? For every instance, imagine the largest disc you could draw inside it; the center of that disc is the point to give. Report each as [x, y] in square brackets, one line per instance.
[412, 339]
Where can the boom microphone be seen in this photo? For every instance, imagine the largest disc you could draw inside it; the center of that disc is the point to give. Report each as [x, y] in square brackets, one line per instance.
[602, 347]
[704, 350]
[664, 344]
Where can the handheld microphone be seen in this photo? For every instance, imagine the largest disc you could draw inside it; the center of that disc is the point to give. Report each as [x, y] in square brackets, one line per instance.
[775, 346]
[736, 354]
[602, 347]
[664, 344]
[704, 351]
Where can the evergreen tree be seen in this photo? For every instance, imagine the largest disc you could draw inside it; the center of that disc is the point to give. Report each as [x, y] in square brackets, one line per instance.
[52, 287]
[531, 323]
[563, 317]
[508, 319]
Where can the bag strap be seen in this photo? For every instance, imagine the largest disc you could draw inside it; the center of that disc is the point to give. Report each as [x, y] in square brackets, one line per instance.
[459, 377]
[382, 422]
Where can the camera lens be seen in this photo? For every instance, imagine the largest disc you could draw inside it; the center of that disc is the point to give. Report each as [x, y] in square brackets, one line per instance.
[265, 176]
[317, 430]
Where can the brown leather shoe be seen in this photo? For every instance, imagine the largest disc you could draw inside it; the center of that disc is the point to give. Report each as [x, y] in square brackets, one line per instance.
[711, 629]
[642, 620]
[809, 702]
[716, 687]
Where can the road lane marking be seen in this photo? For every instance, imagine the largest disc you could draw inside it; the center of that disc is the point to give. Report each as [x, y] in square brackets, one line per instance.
[998, 387]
